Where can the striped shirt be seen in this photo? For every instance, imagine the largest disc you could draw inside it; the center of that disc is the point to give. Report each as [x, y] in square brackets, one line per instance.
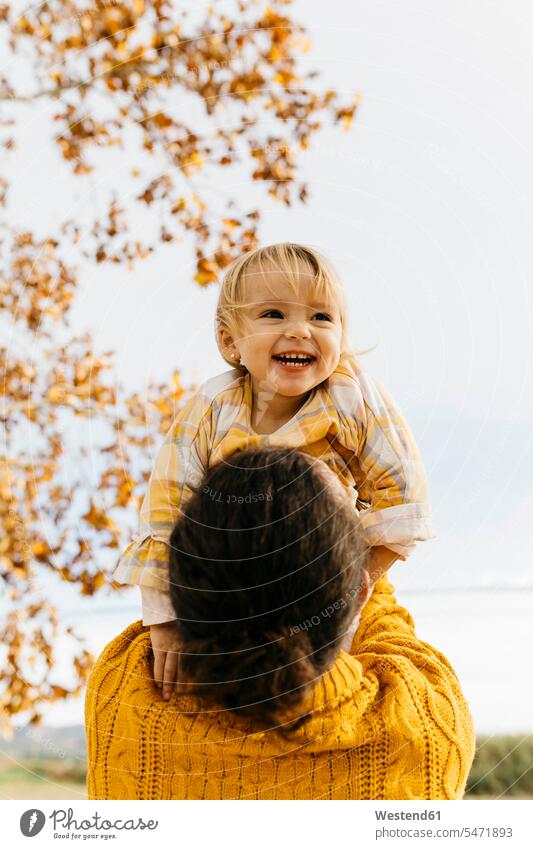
[348, 421]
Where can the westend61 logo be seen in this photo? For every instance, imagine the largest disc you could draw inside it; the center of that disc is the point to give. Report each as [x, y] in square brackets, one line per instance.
[66, 826]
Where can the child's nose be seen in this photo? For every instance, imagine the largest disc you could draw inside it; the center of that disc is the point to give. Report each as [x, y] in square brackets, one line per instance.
[299, 329]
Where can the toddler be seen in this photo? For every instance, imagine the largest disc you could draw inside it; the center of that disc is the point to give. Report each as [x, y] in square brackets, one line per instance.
[281, 322]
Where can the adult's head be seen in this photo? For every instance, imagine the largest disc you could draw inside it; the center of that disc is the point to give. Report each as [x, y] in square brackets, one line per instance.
[267, 567]
[267, 572]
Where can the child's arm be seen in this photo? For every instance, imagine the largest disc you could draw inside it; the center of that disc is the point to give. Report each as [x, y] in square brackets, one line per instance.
[179, 466]
[159, 614]
[390, 475]
[381, 559]
[165, 648]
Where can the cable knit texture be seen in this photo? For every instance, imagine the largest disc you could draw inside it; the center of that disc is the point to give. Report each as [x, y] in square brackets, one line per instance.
[388, 721]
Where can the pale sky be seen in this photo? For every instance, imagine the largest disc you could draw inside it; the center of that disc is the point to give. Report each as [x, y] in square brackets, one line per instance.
[425, 207]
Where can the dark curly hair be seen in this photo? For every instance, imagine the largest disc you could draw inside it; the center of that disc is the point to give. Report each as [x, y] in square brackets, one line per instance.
[265, 567]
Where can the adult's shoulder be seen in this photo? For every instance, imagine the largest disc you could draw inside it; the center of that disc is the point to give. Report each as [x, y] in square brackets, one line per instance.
[419, 698]
[132, 645]
[120, 691]
[387, 630]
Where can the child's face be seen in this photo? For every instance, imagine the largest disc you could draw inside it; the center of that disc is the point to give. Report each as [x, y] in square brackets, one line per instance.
[276, 321]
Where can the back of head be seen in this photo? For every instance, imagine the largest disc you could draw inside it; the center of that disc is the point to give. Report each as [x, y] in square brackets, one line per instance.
[265, 566]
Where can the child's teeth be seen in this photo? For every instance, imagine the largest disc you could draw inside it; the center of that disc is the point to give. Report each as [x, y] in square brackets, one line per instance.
[295, 361]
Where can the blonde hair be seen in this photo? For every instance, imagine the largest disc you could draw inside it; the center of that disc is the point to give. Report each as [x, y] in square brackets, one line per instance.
[286, 257]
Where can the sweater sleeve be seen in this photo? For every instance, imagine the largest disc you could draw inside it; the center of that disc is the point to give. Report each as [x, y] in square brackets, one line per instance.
[434, 717]
[122, 669]
[179, 467]
[382, 614]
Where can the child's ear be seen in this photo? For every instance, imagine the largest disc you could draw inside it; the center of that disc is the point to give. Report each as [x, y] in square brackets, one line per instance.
[226, 339]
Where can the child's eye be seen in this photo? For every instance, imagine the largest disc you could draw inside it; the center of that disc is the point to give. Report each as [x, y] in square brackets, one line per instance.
[324, 315]
[267, 314]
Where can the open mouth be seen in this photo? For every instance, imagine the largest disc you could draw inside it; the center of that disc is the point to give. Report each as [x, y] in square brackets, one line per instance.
[294, 361]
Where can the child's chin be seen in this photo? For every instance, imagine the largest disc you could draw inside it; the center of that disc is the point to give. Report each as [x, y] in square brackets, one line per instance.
[293, 386]
[288, 383]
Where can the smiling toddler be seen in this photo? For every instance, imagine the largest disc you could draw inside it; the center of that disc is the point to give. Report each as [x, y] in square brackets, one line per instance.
[281, 323]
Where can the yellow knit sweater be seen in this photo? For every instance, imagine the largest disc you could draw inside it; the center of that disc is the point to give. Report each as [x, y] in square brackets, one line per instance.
[389, 721]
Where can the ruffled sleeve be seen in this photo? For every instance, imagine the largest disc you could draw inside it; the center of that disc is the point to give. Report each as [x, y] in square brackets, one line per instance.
[386, 465]
[179, 467]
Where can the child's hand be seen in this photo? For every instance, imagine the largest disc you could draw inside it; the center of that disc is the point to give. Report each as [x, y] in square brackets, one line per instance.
[165, 646]
[380, 560]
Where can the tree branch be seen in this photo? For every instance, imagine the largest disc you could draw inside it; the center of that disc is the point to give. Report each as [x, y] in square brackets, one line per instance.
[50, 92]
[68, 85]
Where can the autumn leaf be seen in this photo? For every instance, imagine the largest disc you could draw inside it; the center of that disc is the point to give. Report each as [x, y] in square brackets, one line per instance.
[99, 519]
[207, 272]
